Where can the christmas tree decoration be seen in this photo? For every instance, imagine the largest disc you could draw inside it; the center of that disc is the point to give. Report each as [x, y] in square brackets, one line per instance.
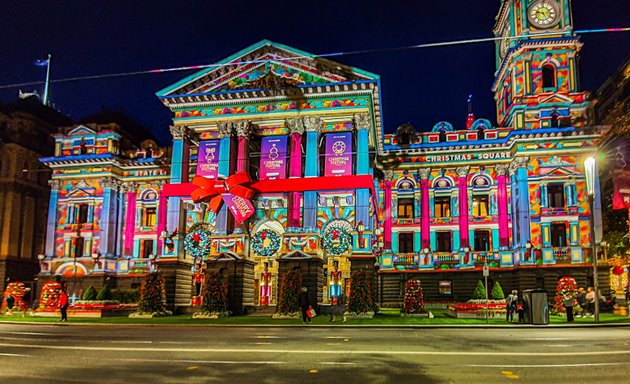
[266, 243]
[497, 292]
[336, 240]
[414, 298]
[480, 292]
[360, 299]
[289, 295]
[153, 296]
[216, 295]
[566, 288]
[197, 242]
[49, 298]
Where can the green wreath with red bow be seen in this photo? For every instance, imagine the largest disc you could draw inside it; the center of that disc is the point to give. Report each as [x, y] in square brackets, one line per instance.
[266, 243]
[197, 242]
[336, 241]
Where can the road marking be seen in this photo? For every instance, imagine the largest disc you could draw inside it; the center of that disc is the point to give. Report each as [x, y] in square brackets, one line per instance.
[336, 337]
[261, 343]
[192, 368]
[269, 337]
[313, 371]
[29, 333]
[131, 341]
[540, 365]
[507, 373]
[200, 361]
[318, 352]
[333, 344]
[14, 355]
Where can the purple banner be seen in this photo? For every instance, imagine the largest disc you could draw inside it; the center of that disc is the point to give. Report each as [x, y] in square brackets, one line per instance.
[208, 159]
[273, 158]
[338, 154]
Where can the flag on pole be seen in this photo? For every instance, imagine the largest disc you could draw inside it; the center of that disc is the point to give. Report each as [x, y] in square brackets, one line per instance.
[41, 63]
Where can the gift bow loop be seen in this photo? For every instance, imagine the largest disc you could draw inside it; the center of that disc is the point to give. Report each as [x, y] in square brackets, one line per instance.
[214, 191]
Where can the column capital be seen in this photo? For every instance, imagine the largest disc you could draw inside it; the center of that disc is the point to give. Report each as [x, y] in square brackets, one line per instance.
[55, 184]
[128, 186]
[110, 182]
[179, 132]
[424, 173]
[389, 174]
[225, 129]
[518, 162]
[501, 169]
[463, 171]
[362, 121]
[242, 128]
[295, 125]
[313, 124]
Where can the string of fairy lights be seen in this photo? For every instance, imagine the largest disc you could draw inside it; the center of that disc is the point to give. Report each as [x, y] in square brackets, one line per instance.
[322, 55]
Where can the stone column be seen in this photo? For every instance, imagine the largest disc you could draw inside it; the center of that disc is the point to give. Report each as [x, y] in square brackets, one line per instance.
[313, 126]
[108, 212]
[502, 202]
[462, 172]
[362, 123]
[130, 222]
[296, 127]
[225, 131]
[51, 223]
[425, 219]
[242, 131]
[518, 167]
[387, 215]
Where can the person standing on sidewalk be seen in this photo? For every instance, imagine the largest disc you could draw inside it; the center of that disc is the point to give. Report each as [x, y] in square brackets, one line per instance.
[305, 304]
[568, 305]
[63, 304]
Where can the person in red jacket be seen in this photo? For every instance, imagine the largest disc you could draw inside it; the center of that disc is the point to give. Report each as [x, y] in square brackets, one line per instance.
[63, 304]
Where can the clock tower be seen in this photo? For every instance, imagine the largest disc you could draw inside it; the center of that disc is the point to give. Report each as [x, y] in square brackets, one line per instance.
[536, 80]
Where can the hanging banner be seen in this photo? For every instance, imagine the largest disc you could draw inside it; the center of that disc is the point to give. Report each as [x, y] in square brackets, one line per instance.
[208, 159]
[338, 154]
[273, 158]
[621, 195]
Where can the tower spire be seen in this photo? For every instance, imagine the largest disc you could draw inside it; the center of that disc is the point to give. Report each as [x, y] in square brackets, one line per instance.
[471, 116]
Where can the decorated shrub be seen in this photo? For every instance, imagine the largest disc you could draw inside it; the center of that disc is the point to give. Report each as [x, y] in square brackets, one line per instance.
[480, 292]
[152, 295]
[414, 298]
[89, 294]
[497, 292]
[566, 288]
[289, 295]
[360, 299]
[216, 297]
[104, 294]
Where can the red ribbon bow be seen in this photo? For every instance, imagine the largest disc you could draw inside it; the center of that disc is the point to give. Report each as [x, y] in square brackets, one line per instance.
[216, 191]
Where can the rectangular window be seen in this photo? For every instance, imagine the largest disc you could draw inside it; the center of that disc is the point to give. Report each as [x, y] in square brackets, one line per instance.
[442, 206]
[445, 287]
[405, 208]
[149, 218]
[405, 242]
[78, 247]
[82, 213]
[555, 195]
[558, 235]
[480, 205]
[147, 248]
[444, 243]
[482, 241]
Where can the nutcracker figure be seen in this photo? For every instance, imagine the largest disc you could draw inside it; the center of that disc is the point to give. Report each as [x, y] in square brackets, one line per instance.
[265, 286]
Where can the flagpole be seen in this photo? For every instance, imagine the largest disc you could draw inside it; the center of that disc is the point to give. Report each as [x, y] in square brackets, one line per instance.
[47, 80]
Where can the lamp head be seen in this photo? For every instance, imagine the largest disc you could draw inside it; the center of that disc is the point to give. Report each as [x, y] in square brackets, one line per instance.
[95, 256]
[41, 256]
[528, 245]
[151, 256]
[378, 231]
[360, 227]
[426, 251]
[466, 249]
[589, 171]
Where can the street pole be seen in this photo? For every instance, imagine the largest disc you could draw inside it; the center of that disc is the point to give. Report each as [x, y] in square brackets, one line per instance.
[595, 284]
[485, 276]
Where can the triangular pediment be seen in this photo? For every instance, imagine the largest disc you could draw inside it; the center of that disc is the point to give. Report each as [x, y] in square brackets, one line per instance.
[297, 255]
[80, 193]
[555, 99]
[266, 65]
[558, 172]
[81, 130]
[227, 256]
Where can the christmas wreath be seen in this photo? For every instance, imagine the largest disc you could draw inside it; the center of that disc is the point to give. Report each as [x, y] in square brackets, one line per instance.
[336, 240]
[266, 242]
[197, 242]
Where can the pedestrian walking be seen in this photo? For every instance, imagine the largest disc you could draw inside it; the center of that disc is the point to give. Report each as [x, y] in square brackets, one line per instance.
[305, 304]
[510, 305]
[590, 302]
[26, 301]
[10, 302]
[568, 305]
[580, 308]
[63, 305]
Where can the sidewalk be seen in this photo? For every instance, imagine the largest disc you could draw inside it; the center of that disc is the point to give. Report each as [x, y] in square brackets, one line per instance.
[389, 318]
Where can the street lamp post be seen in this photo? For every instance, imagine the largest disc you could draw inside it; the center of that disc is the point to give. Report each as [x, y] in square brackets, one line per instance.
[589, 170]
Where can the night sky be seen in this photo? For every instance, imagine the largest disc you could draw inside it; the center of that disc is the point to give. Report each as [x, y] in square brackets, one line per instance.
[420, 86]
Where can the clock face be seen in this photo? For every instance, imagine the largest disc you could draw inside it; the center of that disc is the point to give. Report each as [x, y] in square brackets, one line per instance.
[544, 13]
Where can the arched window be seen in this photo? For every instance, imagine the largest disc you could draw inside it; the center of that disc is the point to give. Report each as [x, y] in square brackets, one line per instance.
[548, 76]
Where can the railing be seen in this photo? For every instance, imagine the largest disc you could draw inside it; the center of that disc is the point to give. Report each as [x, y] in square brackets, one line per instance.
[404, 258]
[444, 257]
[562, 255]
